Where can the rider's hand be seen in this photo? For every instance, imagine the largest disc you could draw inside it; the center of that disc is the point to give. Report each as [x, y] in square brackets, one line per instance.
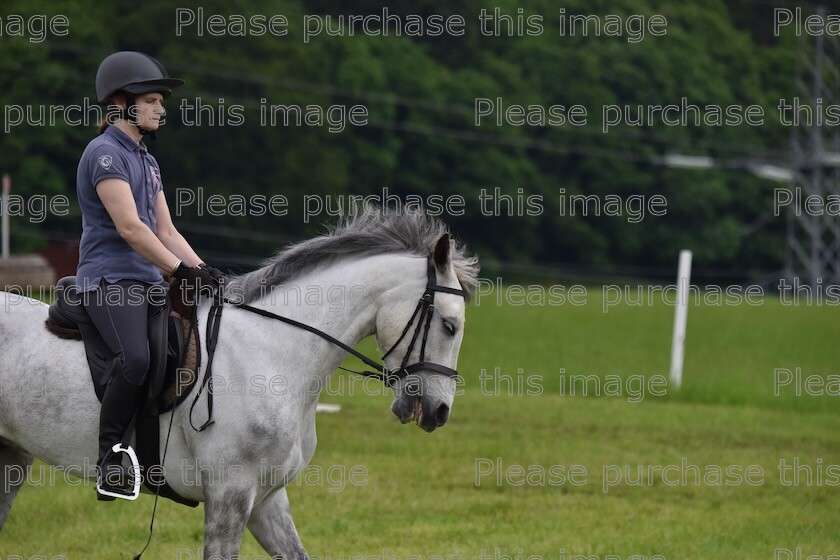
[195, 278]
[217, 274]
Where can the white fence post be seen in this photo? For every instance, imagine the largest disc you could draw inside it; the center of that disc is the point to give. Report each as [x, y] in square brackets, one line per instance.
[680, 317]
[7, 188]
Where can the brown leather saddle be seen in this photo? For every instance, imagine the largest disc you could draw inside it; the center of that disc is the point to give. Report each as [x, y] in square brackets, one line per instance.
[175, 351]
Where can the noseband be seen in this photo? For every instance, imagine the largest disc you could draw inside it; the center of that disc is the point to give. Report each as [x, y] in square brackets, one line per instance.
[422, 313]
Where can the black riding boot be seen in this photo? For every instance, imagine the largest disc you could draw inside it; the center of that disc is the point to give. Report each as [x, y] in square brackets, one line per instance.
[119, 405]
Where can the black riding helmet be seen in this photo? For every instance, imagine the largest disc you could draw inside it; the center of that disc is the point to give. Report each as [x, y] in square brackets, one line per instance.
[132, 73]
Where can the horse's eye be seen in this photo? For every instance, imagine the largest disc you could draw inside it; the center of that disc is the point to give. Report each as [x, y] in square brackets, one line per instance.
[450, 328]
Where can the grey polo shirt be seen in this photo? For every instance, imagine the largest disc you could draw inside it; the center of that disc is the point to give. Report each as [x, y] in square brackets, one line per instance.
[103, 253]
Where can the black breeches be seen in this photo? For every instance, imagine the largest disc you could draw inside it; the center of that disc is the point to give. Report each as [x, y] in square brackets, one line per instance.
[120, 313]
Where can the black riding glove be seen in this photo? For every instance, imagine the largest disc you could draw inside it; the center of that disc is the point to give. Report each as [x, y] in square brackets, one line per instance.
[195, 279]
[217, 274]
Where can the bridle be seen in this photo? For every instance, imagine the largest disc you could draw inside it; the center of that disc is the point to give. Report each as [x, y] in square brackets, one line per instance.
[422, 313]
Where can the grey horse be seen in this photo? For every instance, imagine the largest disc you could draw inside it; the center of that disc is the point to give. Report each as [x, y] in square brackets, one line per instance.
[362, 278]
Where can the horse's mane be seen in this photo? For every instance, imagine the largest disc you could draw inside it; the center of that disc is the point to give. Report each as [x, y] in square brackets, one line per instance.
[373, 231]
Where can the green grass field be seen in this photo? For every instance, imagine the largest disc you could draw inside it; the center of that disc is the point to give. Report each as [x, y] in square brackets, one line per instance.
[421, 495]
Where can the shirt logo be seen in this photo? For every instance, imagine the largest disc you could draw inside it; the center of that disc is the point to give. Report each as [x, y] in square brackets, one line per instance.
[156, 182]
[105, 162]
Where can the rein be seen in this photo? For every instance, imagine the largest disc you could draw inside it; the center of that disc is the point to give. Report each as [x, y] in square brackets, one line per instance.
[423, 313]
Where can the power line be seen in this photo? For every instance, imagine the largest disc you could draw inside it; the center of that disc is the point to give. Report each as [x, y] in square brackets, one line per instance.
[514, 141]
[236, 233]
[393, 99]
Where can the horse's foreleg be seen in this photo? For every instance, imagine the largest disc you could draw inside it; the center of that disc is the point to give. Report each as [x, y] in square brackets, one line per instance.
[14, 467]
[271, 524]
[226, 510]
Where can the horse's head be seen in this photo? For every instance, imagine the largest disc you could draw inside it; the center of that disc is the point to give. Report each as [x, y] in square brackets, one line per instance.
[423, 340]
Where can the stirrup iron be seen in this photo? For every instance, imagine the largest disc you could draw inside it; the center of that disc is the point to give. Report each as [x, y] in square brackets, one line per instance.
[135, 468]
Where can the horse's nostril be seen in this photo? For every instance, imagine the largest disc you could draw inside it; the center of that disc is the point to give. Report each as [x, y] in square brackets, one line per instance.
[442, 415]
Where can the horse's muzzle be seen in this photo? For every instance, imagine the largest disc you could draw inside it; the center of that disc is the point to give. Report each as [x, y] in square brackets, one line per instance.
[427, 415]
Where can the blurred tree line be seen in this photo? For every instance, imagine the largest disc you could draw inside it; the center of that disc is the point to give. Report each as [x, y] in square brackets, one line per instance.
[421, 138]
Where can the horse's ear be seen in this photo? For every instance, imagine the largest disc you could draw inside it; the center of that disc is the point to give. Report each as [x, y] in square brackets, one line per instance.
[441, 253]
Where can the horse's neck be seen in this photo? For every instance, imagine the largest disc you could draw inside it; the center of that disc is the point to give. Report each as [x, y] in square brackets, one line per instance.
[348, 295]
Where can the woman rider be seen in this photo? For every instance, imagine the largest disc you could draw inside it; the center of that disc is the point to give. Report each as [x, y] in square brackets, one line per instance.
[128, 242]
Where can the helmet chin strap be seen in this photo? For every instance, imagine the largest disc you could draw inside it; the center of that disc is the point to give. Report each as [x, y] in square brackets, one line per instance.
[131, 101]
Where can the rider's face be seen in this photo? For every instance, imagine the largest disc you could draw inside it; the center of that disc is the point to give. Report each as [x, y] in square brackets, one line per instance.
[149, 108]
